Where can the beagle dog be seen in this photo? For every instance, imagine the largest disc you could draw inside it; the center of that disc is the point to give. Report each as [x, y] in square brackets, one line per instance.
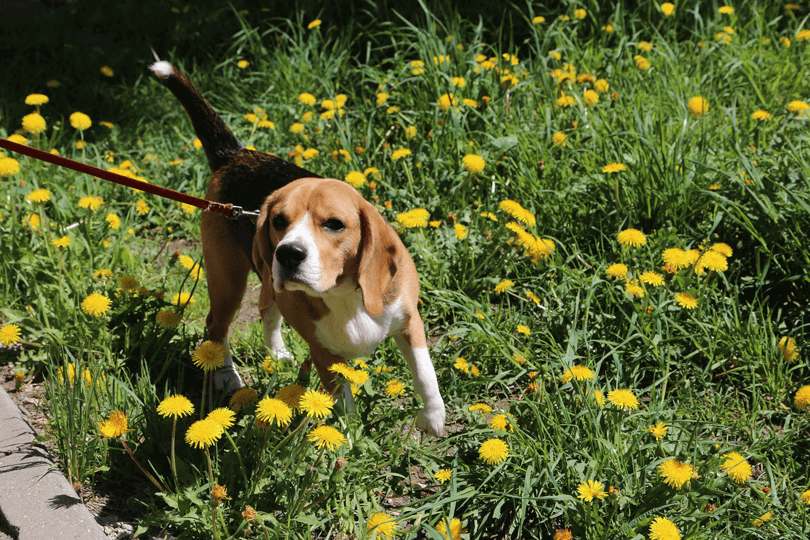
[329, 263]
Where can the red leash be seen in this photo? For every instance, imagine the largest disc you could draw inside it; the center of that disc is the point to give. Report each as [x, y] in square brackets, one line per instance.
[227, 210]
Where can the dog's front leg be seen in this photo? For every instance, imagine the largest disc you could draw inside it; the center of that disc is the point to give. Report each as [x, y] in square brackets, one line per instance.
[271, 322]
[412, 344]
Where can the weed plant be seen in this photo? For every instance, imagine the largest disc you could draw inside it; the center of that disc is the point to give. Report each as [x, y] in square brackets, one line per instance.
[608, 205]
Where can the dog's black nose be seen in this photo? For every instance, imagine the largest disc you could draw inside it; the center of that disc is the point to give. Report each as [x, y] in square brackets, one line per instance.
[290, 255]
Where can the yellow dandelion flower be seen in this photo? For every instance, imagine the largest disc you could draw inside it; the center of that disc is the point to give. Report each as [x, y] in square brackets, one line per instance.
[723, 249]
[663, 529]
[242, 398]
[400, 153]
[631, 237]
[314, 24]
[504, 286]
[802, 398]
[168, 319]
[113, 221]
[34, 123]
[356, 179]
[460, 230]
[676, 474]
[223, 416]
[676, 257]
[524, 330]
[726, 10]
[96, 305]
[114, 426]
[39, 196]
[559, 138]
[107, 71]
[623, 399]
[209, 356]
[416, 218]
[580, 373]
[8, 166]
[317, 404]
[493, 451]
[484, 408]
[9, 334]
[698, 106]
[307, 98]
[667, 8]
[204, 433]
[538, 20]
[443, 475]
[713, 261]
[274, 410]
[652, 278]
[736, 467]
[501, 422]
[761, 520]
[614, 168]
[590, 490]
[686, 300]
[242, 64]
[787, 346]
[90, 202]
[176, 406]
[798, 107]
[659, 430]
[326, 436]
[447, 101]
[617, 271]
[19, 139]
[473, 163]
[291, 395]
[517, 211]
[393, 388]
[452, 530]
[80, 121]
[36, 99]
[182, 299]
[761, 115]
[382, 525]
[62, 242]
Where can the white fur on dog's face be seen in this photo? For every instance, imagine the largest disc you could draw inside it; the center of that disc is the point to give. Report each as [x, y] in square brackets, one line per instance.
[324, 223]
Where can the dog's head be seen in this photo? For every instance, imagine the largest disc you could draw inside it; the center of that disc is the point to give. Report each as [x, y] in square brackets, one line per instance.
[316, 234]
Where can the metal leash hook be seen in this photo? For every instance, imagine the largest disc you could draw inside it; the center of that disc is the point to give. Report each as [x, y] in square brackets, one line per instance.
[237, 212]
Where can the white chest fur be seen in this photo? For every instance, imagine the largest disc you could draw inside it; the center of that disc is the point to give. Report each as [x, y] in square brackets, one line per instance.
[349, 331]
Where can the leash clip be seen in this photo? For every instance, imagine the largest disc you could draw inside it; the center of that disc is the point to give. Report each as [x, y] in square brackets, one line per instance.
[238, 211]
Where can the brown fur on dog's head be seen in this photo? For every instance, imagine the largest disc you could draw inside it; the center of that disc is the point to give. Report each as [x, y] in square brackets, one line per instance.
[364, 250]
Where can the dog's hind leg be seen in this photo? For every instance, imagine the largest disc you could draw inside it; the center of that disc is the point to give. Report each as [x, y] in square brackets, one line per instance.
[227, 268]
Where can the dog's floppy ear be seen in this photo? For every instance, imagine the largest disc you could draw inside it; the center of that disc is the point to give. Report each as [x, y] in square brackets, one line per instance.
[262, 249]
[378, 245]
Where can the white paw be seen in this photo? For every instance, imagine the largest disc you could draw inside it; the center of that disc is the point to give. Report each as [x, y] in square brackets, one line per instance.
[227, 379]
[281, 354]
[431, 420]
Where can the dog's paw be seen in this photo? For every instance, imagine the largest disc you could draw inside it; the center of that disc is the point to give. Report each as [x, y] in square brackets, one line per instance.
[281, 354]
[227, 379]
[431, 420]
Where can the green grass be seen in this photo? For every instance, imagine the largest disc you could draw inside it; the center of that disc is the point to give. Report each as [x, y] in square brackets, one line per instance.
[716, 375]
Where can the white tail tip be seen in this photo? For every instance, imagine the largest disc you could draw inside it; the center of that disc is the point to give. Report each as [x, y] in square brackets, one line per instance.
[162, 69]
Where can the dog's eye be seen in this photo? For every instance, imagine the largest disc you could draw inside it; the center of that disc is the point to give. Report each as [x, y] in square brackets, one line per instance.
[279, 222]
[334, 225]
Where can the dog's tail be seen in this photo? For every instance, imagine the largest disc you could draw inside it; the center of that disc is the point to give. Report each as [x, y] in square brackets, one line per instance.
[217, 139]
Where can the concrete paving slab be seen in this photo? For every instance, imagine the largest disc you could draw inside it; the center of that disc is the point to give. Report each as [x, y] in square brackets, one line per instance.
[36, 501]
